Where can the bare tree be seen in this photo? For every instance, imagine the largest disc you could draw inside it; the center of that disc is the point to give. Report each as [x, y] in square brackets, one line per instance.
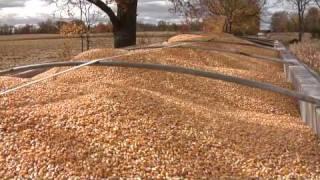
[84, 15]
[231, 9]
[312, 19]
[88, 15]
[317, 2]
[301, 6]
[6, 29]
[279, 21]
[124, 21]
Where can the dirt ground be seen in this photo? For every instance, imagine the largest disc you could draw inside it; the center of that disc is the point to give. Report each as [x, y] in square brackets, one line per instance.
[100, 122]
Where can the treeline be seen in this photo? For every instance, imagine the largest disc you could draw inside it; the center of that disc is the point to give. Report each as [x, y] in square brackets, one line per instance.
[45, 27]
[54, 27]
[165, 26]
[241, 17]
[285, 22]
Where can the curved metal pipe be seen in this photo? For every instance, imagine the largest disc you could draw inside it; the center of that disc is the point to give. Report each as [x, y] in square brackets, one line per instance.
[57, 64]
[265, 42]
[257, 38]
[217, 50]
[276, 60]
[261, 42]
[60, 64]
[38, 66]
[183, 70]
[234, 43]
[152, 46]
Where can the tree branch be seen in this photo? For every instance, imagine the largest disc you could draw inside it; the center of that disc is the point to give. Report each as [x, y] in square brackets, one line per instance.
[318, 3]
[105, 8]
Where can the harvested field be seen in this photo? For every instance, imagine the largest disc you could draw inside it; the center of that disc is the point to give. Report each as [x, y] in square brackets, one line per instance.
[288, 36]
[113, 122]
[28, 49]
[308, 52]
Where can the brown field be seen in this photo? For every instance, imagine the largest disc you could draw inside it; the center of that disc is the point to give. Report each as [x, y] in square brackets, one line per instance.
[28, 49]
[288, 36]
[307, 50]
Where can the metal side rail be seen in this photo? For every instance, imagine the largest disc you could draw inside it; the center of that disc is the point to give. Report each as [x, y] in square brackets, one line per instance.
[305, 81]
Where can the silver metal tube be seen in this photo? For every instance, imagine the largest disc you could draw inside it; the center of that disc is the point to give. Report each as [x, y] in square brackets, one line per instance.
[194, 72]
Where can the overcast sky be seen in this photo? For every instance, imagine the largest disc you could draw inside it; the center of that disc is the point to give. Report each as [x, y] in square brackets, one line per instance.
[15, 12]
[32, 11]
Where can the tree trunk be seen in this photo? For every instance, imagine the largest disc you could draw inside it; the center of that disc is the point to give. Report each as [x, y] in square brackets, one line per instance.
[301, 28]
[88, 37]
[82, 43]
[230, 22]
[125, 33]
[300, 35]
[230, 27]
[88, 41]
[225, 26]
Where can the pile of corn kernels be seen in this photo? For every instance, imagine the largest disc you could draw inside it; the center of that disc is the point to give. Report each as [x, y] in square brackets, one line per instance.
[99, 122]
